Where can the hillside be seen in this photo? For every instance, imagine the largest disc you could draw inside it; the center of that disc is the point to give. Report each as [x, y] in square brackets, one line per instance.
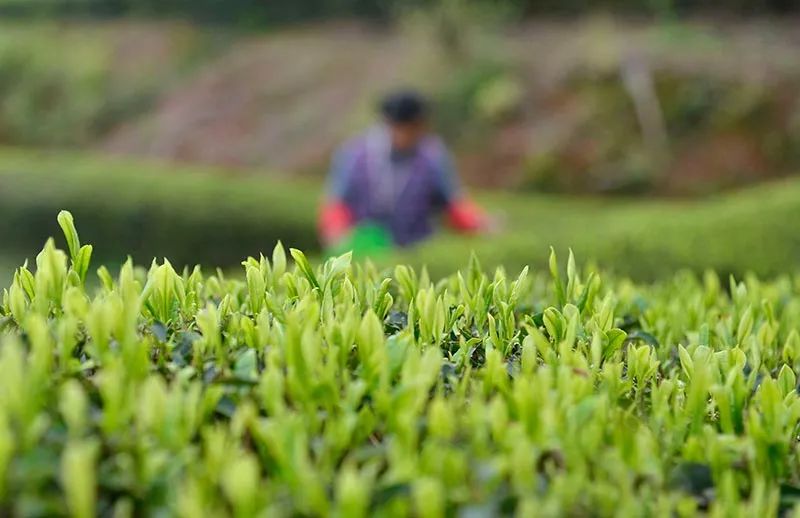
[542, 106]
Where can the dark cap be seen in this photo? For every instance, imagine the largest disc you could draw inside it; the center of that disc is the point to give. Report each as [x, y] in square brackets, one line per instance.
[404, 106]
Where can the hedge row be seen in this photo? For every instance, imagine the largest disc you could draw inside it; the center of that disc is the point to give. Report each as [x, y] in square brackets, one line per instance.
[755, 230]
[149, 210]
[213, 217]
[257, 12]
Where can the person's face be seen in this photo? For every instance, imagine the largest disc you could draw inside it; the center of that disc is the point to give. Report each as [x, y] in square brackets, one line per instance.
[405, 136]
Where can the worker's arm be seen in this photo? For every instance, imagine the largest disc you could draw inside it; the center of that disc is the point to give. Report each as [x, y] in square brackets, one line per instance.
[336, 217]
[462, 213]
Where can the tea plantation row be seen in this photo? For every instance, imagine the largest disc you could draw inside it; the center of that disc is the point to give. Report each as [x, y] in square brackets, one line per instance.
[215, 217]
[343, 390]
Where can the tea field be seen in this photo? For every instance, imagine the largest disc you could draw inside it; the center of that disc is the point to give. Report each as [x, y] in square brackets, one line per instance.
[349, 390]
[215, 216]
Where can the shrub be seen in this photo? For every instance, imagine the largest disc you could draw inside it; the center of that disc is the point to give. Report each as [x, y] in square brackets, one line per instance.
[755, 230]
[144, 209]
[500, 99]
[215, 217]
[341, 390]
[250, 13]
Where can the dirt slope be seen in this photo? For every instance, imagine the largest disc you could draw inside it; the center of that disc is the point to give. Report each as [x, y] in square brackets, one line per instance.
[284, 100]
[275, 101]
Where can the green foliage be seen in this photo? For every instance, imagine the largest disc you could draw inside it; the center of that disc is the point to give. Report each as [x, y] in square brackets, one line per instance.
[752, 230]
[212, 217]
[145, 210]
[98, 80]
[342, 390]
[251, 12]
[499, 99]
[474, 97]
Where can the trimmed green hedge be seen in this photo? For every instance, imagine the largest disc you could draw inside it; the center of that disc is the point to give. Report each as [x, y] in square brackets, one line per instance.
[753, 230]
[250, 13]
[150, 210]
[217, 217]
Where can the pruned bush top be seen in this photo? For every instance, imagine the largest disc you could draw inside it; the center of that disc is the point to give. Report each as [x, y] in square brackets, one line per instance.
[343, 390]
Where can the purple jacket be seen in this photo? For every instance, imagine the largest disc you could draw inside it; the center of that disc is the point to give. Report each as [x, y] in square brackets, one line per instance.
[402, 192]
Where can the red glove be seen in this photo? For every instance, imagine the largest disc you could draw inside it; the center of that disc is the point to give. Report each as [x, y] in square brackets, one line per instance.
[465, 216]
[335, 220]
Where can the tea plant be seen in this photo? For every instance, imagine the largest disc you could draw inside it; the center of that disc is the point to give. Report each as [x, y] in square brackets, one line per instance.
[190, 220]
[346, 391]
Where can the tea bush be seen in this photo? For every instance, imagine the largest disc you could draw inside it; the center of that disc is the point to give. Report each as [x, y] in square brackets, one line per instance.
[755, 230]
[347, 391]
[144, 209]
[252, 13]
[214, 217]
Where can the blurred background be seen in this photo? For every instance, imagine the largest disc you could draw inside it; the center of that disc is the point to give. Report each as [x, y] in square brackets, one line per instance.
[647, 135]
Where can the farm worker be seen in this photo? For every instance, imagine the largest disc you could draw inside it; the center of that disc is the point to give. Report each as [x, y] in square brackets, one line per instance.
[396, 175]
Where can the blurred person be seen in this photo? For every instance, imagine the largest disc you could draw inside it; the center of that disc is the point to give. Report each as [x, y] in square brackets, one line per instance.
[396, 178]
